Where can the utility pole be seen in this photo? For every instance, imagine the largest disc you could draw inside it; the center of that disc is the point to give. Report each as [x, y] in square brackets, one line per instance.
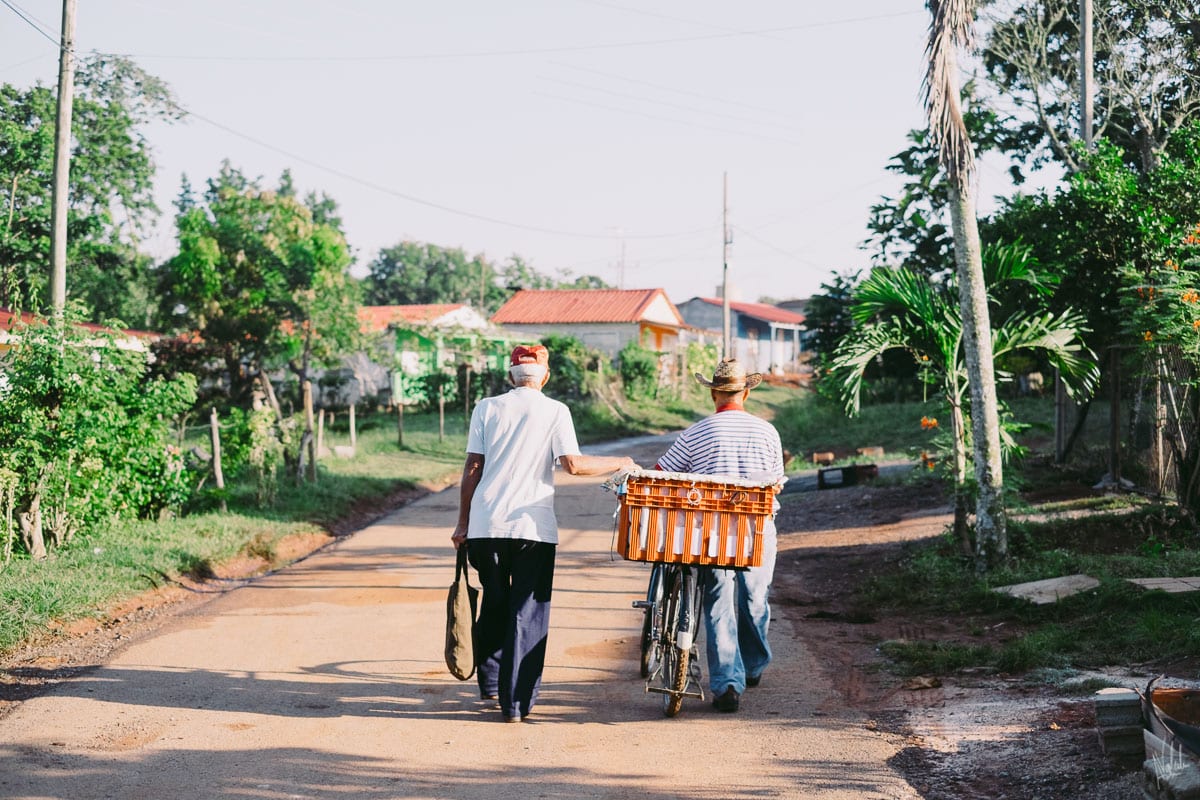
[62, 161]
[1085, 133]
[726, 241]
[1085, 71]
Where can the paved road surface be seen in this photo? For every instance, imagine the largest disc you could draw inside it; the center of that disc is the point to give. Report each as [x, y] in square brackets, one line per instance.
[326, 680]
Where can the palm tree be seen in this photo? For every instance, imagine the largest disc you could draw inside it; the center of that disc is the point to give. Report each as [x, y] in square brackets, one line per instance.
[952, 26]
[898, 309]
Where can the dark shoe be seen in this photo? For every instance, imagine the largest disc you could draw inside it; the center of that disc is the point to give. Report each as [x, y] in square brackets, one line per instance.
[728, 702]
[513, 719]
[486, 696]
[752, 682]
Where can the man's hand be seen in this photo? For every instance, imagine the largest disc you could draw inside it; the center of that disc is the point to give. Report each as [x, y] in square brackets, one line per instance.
[459, 536]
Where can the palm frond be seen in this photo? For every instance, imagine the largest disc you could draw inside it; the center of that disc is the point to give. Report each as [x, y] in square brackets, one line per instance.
[855, 354]
[952, 27]
[1057, 337]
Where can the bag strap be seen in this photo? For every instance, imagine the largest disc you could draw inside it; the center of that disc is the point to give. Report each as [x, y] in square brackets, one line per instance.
[460, 567]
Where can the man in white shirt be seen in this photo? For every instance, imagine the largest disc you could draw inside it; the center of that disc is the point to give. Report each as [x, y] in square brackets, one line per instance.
[506, 520]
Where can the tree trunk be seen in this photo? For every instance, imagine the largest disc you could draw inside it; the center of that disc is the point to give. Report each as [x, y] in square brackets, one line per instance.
[30, 521]
[991, 537]
[218, 472]
[962, 530]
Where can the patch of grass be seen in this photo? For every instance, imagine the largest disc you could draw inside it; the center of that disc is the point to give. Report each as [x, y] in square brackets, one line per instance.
[132, 556]
[934, 657]
[1116, 623]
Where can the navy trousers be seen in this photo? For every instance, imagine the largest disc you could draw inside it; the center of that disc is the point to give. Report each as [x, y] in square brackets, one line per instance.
[514, 618]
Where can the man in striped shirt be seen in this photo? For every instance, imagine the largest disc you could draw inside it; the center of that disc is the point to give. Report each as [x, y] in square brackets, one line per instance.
[733, 443]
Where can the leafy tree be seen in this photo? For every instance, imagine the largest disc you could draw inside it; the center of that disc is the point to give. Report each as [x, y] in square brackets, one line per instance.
[412, 273]
[110, 200]
[260, 280]
[1109, 216]
[1147, 58]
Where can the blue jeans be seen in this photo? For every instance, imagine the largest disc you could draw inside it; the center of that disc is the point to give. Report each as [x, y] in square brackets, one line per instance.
[736, 617]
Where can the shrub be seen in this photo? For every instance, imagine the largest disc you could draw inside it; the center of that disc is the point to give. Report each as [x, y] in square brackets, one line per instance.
[639, 371]
[88, 432]
[569, 362]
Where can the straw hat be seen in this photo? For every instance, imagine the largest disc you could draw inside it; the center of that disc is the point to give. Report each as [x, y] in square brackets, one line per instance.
[730, 376]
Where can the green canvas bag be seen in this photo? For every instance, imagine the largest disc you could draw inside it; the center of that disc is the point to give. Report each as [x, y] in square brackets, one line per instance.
[461, 603]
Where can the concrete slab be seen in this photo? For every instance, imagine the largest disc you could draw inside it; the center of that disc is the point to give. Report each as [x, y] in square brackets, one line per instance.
[1170, 585]
[1051, 590]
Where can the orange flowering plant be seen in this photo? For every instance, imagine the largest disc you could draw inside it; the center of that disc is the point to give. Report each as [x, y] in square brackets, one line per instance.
[1162, 304]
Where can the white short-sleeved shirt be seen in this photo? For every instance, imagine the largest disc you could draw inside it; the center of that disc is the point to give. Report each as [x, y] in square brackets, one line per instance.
[520, 435]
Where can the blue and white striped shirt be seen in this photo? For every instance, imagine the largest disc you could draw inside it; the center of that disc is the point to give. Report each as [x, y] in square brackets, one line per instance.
[732, 443]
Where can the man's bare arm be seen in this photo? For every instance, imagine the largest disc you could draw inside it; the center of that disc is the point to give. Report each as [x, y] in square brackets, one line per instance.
[472, 472]
[595, 465]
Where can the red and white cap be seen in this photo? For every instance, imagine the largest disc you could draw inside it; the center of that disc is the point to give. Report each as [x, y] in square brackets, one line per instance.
[530, 354]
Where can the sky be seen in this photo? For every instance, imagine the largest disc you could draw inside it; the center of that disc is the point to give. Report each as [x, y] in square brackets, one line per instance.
[582, 135]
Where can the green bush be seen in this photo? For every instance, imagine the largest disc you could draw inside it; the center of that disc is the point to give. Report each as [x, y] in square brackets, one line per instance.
[569, 362]
[87, 433]
[639, 371]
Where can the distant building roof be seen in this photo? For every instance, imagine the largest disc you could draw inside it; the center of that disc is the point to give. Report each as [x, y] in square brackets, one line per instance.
[136, 340]
[762, 311]
[556, 306]
[379, 318]
[8, 319]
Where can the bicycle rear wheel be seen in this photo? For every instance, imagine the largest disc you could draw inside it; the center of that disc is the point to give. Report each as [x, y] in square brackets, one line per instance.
[652, 622]
[677, 667]
[675, 658]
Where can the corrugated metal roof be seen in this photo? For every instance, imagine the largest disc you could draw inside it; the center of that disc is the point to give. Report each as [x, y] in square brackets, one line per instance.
[767, 313]
[542, 306]
[378, 318]
[8, 320]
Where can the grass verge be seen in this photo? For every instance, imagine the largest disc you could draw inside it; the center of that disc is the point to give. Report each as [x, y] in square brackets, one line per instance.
[1117, 623]
[130, 557]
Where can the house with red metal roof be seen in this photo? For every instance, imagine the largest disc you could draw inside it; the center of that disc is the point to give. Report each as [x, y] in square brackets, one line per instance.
[603, 319]
[766, 338]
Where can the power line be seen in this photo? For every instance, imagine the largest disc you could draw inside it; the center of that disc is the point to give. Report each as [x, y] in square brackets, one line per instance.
[421, 201]
[33, 23]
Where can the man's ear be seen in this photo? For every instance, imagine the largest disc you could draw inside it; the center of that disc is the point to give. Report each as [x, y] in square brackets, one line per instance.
[545, 380]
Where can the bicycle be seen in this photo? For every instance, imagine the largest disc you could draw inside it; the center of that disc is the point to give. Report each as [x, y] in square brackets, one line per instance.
[683, 524]
[670, 663]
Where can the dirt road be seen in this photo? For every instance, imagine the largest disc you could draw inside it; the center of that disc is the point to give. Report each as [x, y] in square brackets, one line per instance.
[326, 680]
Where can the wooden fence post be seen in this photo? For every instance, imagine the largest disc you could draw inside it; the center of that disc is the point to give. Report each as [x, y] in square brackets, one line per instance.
[218, 473]
[353, 431]
[400, 423]
[467, 395]
[441, 412]
[309, 423]
[321, 430]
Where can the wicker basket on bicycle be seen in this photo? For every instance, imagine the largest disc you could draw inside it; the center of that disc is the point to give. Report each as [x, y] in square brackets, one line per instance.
[679, 517]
